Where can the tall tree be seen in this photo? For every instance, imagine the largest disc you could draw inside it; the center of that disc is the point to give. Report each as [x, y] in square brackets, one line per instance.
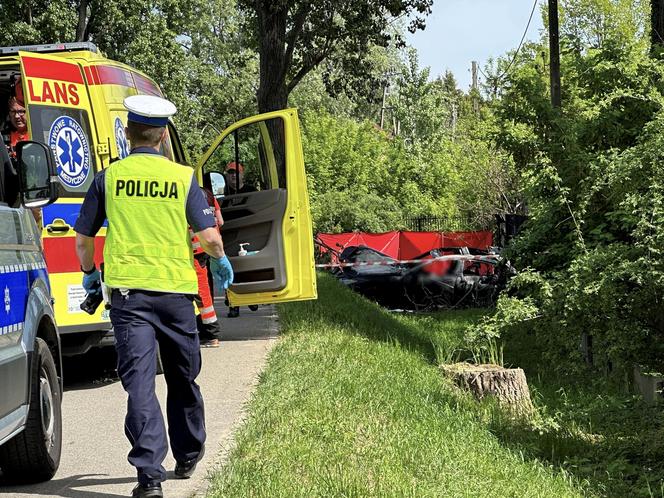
[656, 26]
[588, 24]
[293, 37]
[24, 22]
[194, 49]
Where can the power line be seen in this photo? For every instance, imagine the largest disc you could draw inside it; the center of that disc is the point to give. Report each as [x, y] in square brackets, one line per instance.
[658, 35]
[395, 19]
[525, 32]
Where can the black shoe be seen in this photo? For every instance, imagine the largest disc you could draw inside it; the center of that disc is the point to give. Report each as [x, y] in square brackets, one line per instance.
[186, 470]
[253, 307]
[233, 312]
[147, 491]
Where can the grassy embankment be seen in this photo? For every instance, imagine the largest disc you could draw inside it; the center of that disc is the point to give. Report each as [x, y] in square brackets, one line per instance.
[352, 404]
[589, 425]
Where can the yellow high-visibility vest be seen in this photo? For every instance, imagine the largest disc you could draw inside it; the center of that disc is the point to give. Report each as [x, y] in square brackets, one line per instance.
[148, 245]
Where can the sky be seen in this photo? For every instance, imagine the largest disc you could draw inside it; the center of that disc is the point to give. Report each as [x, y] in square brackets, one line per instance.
[461, 31]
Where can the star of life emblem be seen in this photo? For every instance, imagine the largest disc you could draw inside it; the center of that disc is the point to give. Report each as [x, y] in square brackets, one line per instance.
[72, 151]
[8, 301]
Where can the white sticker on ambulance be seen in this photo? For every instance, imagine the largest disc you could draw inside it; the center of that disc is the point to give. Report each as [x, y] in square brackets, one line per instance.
[75, 296]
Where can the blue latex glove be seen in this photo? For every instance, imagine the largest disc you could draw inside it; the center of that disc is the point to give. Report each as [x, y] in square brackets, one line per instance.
[92, 282]
[222, 272]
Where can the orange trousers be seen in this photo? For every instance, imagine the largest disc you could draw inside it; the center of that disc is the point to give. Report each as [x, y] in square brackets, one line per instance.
[205, 303]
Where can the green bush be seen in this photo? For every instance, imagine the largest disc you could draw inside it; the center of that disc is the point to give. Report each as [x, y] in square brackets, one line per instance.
[593, 181]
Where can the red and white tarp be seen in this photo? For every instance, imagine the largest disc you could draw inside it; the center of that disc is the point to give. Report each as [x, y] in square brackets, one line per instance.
[406, 245]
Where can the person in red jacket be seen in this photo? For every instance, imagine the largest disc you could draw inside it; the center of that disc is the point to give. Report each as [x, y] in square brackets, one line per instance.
[17, 130]
[209, 330]
[19, 124]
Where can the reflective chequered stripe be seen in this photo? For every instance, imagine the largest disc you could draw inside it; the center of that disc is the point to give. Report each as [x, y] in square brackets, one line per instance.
[22, 267]
[8, 329]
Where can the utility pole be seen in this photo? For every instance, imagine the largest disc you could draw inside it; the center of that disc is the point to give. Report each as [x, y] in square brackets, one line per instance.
[474, 72]
[656, 27]
[386, 91]
[554, 55]
[382, 109]
[476, 104]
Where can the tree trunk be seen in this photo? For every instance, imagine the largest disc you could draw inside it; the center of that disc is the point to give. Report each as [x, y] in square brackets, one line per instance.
[507, 385]
[656, 26]
[272, 91]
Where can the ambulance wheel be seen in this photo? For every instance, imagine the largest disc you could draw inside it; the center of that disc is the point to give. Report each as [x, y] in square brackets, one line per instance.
[34, 454]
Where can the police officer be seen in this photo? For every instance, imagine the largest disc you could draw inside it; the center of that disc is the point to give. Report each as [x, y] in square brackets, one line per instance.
[149, 202]
[209, 329]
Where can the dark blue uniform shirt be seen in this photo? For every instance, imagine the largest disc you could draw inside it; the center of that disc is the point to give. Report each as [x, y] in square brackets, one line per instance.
[93, 211]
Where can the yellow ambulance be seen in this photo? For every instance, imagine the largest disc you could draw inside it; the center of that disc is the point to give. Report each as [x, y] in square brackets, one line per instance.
[73, 97]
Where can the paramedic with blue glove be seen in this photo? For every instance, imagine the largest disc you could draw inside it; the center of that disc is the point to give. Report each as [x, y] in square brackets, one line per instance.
[222, 272]
[150, 202]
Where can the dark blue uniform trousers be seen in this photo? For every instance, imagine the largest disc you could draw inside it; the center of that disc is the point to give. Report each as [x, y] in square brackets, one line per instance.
[140, 319]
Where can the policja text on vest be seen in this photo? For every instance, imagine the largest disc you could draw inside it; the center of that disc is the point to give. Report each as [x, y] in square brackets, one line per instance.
[146, 188]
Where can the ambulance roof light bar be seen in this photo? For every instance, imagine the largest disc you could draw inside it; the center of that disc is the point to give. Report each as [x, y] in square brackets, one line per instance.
[49, 48]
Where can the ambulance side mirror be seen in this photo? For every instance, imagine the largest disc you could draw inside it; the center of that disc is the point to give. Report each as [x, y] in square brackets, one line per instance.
[38, 181]
[218, 184]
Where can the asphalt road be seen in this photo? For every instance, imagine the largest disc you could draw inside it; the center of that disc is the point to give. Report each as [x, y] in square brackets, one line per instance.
[94, 449]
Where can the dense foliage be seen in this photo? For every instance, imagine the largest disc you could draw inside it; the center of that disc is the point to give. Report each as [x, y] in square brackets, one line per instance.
[195, 49]
[293, 37]
[590, 175]
[592, 178]
[430, 157]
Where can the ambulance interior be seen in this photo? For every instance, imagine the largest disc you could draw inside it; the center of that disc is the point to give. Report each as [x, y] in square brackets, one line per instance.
[9, 76]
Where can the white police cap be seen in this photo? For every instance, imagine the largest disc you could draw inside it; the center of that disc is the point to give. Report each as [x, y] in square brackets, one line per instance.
[149, 110]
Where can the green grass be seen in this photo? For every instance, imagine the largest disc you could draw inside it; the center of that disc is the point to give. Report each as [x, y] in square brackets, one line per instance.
[588, 425]
[352, 404]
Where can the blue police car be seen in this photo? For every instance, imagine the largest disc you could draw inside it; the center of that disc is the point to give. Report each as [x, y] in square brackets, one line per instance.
[30, 359]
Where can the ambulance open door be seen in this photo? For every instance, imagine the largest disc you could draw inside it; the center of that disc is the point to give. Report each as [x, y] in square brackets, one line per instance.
[265, 208]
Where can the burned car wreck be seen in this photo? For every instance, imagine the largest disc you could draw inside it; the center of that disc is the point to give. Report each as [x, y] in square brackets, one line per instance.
[442, 278]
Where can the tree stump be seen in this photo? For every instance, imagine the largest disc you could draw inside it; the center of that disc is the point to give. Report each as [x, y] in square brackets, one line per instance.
[507, 385]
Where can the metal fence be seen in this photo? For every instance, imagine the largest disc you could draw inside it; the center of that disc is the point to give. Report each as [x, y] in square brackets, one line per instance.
[448, 224]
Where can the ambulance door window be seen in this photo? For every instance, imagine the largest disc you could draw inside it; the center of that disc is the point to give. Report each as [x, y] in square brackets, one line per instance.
[223, 154]
[262, 165]
[67, 132]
